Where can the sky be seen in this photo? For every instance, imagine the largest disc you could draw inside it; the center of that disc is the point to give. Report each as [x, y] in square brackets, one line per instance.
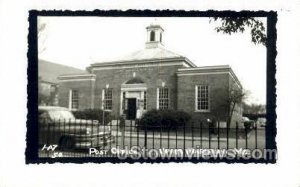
[81, 41]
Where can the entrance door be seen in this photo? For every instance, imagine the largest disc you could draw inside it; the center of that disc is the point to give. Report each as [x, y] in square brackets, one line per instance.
[131, 111]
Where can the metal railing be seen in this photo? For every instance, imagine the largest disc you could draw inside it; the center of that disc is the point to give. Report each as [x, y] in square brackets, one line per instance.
[87, 138]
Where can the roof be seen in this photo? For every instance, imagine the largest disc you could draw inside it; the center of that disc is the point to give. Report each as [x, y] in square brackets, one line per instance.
[154, 26]
[158, 53]
[49, 71]
[152, 53]
[146, 54]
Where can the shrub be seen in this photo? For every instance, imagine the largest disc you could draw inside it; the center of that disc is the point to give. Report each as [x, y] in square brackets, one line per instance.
[165, 119]
[93, 114]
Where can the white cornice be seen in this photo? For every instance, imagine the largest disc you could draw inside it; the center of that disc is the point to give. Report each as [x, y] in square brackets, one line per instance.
[138, 66]
[78, 77]
[222, 67]
[211, 73]
[145, 61]
[76, 80]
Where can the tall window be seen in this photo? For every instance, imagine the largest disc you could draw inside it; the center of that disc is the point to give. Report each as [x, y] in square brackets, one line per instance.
[152, 36]
[145, 100]
[75, 99]
[107, 99]
[202, 98]
[163, 98]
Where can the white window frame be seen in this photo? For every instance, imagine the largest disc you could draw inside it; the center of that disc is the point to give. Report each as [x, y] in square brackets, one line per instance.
[157, 98]
[71, 100]
[196, 98]
[103, 99]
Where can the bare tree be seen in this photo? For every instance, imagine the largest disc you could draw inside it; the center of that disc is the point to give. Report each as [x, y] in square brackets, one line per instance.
[235, 100]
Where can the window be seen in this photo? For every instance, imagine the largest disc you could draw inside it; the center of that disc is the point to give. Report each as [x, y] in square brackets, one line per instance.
[152, 36]
[107, 99]
[75, 99]
[202, 98]
[145, 100]
[163, 98]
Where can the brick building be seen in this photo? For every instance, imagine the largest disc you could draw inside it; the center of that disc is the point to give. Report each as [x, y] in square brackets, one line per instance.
[152, 78]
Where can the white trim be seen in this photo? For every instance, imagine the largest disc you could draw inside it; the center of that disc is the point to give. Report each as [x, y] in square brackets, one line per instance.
[121, 102]
[157, 98]
[77, 75]
[134, 89]
[102, 101]
[70, 99]
[196, 98]
[205, 68]
[203, 73]
[211, 73]
[138, 66]
[216, 70]
[124, 85]
[177, 58]
[74, 80]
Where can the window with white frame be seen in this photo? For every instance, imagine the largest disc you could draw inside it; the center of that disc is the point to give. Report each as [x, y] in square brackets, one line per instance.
[74, 99]
[107, 99]
[163, 98]
[202, 98]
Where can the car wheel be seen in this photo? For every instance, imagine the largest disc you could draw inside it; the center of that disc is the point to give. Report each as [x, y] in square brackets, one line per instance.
[66, 143]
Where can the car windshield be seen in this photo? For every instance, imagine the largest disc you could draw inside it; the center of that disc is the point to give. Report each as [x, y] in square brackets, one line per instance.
[61, 115]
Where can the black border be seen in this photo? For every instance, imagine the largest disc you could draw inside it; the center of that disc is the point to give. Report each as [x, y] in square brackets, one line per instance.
[32, 87]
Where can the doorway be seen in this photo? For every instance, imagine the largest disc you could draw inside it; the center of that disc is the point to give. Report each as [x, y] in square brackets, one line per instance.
[131, 108]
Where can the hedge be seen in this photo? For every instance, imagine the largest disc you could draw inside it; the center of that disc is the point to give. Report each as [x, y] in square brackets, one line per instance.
[166, 119]
[93, 114]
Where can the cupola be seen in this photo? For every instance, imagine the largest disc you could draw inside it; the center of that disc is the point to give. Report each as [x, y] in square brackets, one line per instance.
[154, 36]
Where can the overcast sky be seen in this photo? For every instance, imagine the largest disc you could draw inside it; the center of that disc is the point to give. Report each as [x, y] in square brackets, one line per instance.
[80, 41]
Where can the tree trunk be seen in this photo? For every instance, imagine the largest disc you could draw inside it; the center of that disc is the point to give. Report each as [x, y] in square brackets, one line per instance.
[230, 114]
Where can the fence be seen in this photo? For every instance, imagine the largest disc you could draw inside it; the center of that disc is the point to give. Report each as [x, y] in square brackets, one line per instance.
[86, 138]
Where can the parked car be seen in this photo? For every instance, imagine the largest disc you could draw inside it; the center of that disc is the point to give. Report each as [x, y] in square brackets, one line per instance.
[57, 125]
[261, 122]
[248, 124]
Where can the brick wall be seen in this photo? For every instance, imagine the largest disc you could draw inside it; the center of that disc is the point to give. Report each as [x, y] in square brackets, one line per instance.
[152, 76]
[85, 89]
[181, 90]
[218, 92]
